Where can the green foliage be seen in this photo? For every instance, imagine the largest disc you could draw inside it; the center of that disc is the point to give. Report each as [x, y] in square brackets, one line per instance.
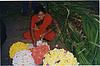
[85, 47]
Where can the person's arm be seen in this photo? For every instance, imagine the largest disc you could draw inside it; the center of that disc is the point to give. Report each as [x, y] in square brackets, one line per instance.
[47, 21]
[33, 26]
[33, 21]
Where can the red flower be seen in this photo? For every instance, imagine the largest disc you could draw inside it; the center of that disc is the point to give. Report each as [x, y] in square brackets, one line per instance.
[39, 52]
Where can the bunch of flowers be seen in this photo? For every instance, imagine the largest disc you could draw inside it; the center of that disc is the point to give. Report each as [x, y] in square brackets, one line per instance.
[59, 57]
[16, 47]
[23, 58]
[39, 52]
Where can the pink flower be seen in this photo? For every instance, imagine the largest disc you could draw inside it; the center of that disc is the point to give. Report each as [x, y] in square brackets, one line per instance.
[39, 52]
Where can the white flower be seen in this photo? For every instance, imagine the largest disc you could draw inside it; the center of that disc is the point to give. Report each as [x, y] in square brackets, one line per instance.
[39, 42]
[23, 58]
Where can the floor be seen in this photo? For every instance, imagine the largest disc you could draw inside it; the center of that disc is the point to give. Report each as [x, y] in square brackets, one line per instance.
[14, 30]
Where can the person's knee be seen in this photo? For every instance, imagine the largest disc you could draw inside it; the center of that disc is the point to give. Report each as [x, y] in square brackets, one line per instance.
[50, 36]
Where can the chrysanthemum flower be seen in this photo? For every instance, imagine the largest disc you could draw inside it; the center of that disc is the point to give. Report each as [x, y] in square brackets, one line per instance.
[23, 58]
[59, 57]
[16, 47]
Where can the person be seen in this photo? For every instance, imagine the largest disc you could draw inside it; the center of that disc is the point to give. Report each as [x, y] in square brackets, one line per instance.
[40, 26]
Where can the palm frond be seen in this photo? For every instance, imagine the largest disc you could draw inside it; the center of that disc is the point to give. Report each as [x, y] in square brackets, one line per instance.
[85, 45]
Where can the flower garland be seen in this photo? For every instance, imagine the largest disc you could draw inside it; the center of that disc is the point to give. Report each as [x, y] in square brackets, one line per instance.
[23, 58]
[39, 52]
[16, 47]
[59, 57]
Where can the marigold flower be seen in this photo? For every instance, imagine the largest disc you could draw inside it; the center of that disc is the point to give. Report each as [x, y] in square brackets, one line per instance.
[59, 57]
[16, 47]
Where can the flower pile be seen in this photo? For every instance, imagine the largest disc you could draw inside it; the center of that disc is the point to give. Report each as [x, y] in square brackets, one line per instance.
[23, 58]
[22, 55]
[16, 47]
[39, 52]
[59, 57]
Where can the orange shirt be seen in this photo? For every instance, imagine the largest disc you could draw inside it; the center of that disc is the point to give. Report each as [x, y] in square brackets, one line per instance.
[42, 28]
[47, 21]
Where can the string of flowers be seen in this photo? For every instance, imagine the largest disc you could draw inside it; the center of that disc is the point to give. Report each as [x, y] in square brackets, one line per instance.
[39, 52]
[23, 58]
[21, 55]
[59, 57]
[16, 47]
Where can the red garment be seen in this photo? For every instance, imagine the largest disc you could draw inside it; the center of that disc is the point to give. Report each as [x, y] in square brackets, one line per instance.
[42, 28]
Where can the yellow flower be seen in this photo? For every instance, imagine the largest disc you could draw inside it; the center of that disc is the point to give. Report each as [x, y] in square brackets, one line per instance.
[59, 57]
[16, 47]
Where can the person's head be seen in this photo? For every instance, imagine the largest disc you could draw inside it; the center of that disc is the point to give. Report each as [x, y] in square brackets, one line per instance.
[40, 12]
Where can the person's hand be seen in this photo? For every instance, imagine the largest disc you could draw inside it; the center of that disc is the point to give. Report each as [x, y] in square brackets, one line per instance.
[42, 35]
[35, 28]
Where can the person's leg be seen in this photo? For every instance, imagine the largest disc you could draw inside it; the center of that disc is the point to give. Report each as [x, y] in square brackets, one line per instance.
[27, 35]
[50, 36]
[28, 38]
[37, 34]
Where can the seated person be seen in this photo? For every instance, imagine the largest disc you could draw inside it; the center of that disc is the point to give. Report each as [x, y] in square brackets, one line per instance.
[41, 26]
